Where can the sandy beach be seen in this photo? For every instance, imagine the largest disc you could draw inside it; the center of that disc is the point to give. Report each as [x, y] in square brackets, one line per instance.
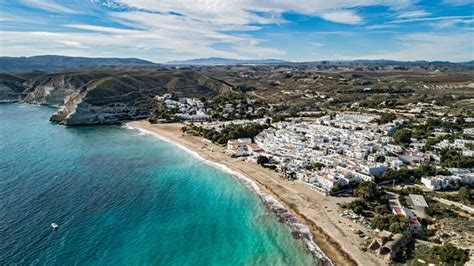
[331, 232]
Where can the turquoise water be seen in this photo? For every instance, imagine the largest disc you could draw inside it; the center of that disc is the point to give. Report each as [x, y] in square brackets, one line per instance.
[124, 198]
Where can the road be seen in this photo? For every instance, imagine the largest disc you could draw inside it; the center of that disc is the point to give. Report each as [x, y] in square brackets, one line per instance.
[457, 204]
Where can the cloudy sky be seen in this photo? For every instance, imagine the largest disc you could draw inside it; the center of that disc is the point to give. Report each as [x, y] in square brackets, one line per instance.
[297, 30]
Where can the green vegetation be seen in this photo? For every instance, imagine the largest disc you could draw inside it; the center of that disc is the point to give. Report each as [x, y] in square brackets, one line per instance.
[262, 160]
[408, 175]
[465, 195]
[227, 133]
[423, 130]
[371, 199]
[386, 118]
[315, 166]
[438, 211]
[390, 222]
[453, 158]
[402, 137]
[448, 253]
[236, 106]
[357, 206]
[367, 191]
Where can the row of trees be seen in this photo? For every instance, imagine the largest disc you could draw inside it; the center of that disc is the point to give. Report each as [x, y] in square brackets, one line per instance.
[227, 133]
[409, 175]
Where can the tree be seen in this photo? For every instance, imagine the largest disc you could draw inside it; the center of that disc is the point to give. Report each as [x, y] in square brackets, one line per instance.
[367, 190]
[386, 118]
[380, 209]
[262, 160]
[392, 223]
[452, 255]
[402, 136]
[464, 194]
[315, 165]
[453, 158]
[357, 206]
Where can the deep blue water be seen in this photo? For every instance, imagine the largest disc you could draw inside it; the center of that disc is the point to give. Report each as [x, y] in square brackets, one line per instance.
[124, 198]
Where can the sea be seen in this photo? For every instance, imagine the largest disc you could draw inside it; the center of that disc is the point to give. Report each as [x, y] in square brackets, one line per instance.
[123, 197]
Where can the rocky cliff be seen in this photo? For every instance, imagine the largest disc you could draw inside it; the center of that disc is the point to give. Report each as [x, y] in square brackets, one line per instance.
[11, 88]
[107, 96]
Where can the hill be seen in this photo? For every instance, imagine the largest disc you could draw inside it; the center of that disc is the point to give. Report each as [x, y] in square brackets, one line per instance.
[55, 62]
[226, 61]
[106, 95]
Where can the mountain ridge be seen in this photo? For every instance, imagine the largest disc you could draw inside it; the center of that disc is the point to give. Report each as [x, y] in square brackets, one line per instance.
[226, 61]
[58, 62]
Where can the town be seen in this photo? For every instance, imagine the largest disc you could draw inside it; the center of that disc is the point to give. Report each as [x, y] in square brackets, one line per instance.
[406, 188]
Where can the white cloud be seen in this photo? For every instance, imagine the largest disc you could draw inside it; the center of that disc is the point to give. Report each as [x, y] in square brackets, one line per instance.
[346, 17]
[73, 44]
[413, 14]
[382, 26]
[431, 19]
[316, 44]
[243, 11]
[48, 5]
[182, 29]
[447, 23]
[454, 47]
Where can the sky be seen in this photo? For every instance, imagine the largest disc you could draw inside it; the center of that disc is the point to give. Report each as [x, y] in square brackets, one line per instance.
[295, 30]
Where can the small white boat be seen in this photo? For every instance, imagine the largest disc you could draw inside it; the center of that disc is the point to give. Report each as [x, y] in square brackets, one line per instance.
[54, 226]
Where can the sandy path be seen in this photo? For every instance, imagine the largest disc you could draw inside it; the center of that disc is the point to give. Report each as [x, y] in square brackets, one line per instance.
[331, 232]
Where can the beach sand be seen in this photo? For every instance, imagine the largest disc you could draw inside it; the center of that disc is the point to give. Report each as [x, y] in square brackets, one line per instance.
[331, 232]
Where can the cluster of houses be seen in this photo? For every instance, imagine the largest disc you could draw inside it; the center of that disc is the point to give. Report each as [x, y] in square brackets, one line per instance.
[386, 244]
[462, 144]
[189, 109]
[441, 182]
[243, 147]
[219, 125]
[334, 151]
[348, 145]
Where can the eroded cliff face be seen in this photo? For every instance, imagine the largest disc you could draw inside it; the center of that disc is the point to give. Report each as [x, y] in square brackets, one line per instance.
[11, 88]
[52, 89]
[110, 96]
[81, 109]
[8, 94]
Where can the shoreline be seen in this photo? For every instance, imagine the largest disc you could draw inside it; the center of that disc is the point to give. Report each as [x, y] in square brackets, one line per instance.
[300, 230]
[289, 201]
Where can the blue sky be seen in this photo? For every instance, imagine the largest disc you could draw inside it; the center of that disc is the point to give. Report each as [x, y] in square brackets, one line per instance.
[297, 30]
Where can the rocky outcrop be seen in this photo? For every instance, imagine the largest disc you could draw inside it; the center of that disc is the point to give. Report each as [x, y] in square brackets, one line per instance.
[11, 88]
[111, 96]
[7, 94]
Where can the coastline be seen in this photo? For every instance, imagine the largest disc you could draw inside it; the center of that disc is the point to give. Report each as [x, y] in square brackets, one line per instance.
[294, 203]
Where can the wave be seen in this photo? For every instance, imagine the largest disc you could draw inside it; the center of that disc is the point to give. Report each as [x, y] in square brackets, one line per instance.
[299, 230]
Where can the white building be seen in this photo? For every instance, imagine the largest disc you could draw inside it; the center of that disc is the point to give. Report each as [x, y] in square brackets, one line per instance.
[468, 131]
[417, 201]
[393, 162]
[437, 182]
[469, 153]
[238, 147]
